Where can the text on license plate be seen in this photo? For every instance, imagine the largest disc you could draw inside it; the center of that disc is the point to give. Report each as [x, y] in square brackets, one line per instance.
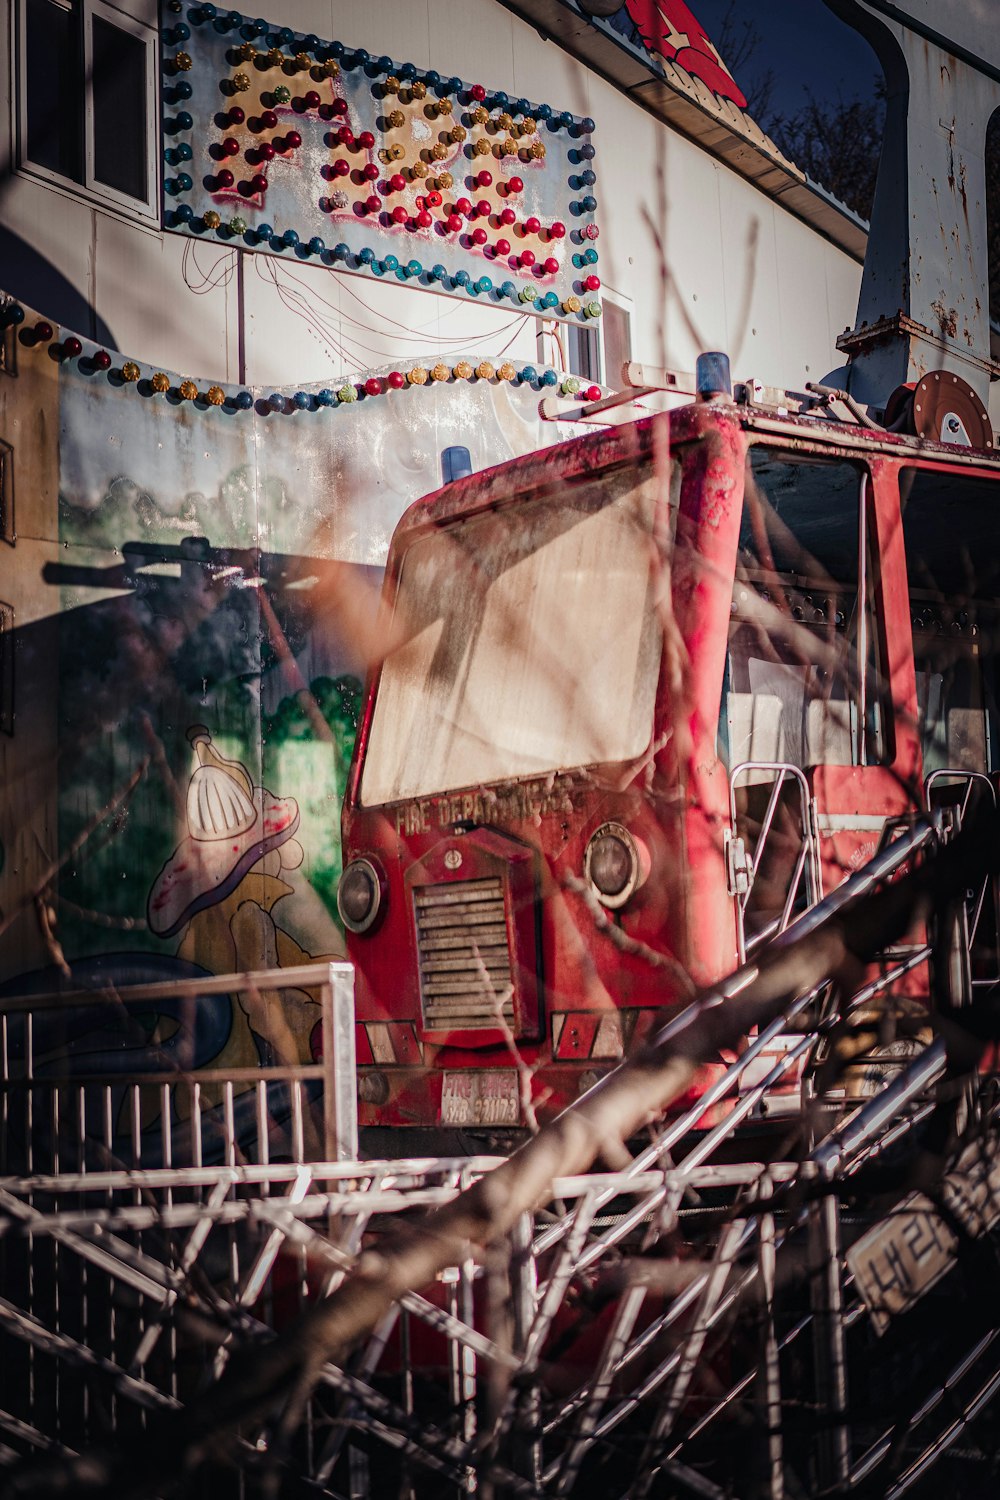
[485, 1098]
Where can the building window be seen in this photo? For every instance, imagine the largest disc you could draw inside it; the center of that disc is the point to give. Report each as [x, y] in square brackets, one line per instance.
[6, 669]
[87, 99]
[582, 349]
[7, 532]
[616, 336]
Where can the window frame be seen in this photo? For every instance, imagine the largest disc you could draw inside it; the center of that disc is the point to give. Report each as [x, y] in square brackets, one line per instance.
[100, 194]
[550, 332]
[870, 747]
[613, 378]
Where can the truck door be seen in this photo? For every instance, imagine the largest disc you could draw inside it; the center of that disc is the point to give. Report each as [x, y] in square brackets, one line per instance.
[953, 573]
[806, 720]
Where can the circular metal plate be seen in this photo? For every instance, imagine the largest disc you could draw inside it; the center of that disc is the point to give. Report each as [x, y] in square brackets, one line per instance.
[944, 404]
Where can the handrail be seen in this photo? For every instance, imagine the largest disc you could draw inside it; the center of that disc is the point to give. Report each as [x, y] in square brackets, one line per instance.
[807, 859]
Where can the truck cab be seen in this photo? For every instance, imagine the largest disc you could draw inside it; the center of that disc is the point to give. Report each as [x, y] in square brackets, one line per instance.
[644, 697]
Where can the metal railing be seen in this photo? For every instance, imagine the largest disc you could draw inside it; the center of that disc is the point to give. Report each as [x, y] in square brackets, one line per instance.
[683, 1322]
[104, 1078]
[803, 885]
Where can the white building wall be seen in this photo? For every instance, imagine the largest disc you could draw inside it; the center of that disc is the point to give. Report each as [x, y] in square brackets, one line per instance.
[703, 258]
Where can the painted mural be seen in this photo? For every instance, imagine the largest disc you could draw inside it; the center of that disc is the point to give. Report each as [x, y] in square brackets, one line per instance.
[291, 145]
[189, 583]
[664, 31]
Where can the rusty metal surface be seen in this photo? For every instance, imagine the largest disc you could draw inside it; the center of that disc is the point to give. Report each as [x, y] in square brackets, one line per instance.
[924, 302]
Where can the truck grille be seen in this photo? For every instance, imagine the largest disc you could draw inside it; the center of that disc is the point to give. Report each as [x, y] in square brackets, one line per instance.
[462, 932]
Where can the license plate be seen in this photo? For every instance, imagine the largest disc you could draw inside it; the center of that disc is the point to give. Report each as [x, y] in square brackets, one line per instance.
[489, 1098]
[899, 1260]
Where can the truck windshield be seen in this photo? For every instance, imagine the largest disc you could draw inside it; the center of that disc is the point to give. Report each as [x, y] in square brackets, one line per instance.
[530, 642]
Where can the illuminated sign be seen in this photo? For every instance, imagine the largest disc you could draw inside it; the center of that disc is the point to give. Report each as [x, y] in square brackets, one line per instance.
[280, 142]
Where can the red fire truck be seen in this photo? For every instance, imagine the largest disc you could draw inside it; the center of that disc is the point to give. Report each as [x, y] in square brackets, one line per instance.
[645, 696]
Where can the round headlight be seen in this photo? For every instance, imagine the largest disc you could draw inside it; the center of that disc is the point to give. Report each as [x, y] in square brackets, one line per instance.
[359, 895]
[612, 864]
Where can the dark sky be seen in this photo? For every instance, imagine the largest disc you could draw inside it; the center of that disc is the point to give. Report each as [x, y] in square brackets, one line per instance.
[805, 44]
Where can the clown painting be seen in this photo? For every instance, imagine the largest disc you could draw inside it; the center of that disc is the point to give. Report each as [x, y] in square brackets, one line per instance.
[231, 895]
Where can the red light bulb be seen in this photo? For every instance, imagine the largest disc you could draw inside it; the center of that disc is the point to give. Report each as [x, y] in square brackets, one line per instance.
[508, 216]
[293, 140]
[269, 119]
[312, 100]
[224, 179]
[594, 393]
[396, 380]
[477, 92]
[503, 247]
[265, 151]
[434, 199]
[557, 231]
[397, 182]
[484, 179]
[515, 185]
[592, 283]
[463, 206]
[551, 265]
[369, 171]
[236, 115]
[231, 146]
[479, 236]
[102, 359]
[527, 257]
[532, 225]
[399, 214]
[483, 209]
[454, 223]
[424, 219]
[373, 204]
[341, 167]
[373, 387]
[366, 140]
[259, 183]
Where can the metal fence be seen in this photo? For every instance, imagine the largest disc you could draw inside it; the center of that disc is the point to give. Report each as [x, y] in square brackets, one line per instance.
[103, 1079]
[726, 1315]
